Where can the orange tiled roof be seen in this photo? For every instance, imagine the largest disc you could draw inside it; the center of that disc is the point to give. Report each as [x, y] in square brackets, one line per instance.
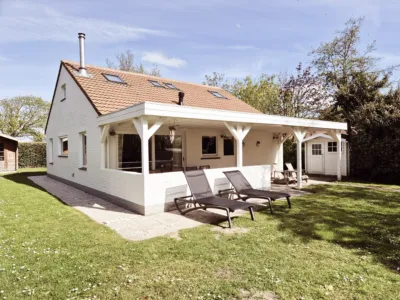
[107, 97]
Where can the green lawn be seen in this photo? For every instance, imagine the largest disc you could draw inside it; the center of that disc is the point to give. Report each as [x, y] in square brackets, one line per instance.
[340, 242]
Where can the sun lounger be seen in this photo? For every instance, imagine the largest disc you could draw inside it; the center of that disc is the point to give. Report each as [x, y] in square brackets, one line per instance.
[245, 191]
[293, 172]
[202, 197]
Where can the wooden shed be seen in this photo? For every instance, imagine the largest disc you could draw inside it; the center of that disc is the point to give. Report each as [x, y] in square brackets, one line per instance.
[8, 153]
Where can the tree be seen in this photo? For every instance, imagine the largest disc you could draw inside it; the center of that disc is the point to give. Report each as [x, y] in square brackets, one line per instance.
[24, 116]
[126, 62]
[339, 62]
[303, 95]
[217, 79]
[261, 93]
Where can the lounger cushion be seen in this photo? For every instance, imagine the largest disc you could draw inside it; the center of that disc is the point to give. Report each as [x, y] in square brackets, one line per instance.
[232, 205]
[264, 194]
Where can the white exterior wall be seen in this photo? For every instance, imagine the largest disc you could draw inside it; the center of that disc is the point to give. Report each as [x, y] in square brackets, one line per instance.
[69, 118]
[327, 163]
[172, 185]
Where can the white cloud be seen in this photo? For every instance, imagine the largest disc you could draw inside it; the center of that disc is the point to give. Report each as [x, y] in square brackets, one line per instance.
[238, 25]
[2, 59]
[160, 59]
[23, 22]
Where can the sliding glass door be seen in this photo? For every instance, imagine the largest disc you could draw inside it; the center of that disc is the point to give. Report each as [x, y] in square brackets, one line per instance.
[167, 153]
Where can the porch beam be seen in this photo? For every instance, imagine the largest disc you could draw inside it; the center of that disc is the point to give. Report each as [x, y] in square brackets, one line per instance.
[299, 134]
[281, 139]
[104, 133]
[239, 133]
[138, 126]
[142, 127]
[154, 128]
[337, 136]
[103, 150]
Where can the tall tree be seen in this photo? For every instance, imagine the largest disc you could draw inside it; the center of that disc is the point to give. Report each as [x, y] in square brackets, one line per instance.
[339, 62]
[303, 95]
[126, 62]
[24, 116]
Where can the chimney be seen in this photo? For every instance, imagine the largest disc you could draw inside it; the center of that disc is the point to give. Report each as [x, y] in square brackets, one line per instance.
[82, 68]
[181, 95]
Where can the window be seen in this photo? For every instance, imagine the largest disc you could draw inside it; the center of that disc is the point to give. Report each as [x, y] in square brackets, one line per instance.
[156, 83]
[170, 86]
[209, 145]
[1, 151]
[64, 92]
[218, 95]
[228, 146]
[83, 147]
[63, 146]
[316, 149]
[114, 78]
[50, 151]
[332, 146]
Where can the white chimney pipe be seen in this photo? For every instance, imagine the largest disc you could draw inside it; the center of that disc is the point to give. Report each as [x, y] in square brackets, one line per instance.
[82, 68]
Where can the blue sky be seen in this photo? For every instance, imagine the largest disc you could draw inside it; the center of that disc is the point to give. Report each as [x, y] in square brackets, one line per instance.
[186, 39]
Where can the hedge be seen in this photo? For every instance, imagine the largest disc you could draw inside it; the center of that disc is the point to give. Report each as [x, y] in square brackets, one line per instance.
[32, 155]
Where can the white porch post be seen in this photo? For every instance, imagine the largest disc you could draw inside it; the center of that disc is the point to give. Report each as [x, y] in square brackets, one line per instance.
[282, 138]
[239, 133]
[142, 128]
[299, 133]
[104, 136]
[337, 136]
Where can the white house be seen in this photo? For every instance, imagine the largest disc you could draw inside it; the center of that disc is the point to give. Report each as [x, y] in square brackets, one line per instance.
[126, 137]
[321, 155]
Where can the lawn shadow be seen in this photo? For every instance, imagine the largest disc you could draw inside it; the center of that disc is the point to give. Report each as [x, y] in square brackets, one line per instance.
[22, 178]
[362, 219]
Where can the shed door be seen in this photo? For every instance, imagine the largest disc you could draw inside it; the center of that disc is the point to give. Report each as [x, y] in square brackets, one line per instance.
[316, 159]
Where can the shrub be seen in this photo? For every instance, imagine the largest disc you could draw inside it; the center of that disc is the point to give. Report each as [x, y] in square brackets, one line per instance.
[32, 155]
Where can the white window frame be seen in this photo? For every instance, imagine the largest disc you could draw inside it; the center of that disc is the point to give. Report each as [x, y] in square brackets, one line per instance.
[216, 146]
[316, 152]
[332, 147]
[60, 145]
[50, 156]
[82, 149]
[64, 91]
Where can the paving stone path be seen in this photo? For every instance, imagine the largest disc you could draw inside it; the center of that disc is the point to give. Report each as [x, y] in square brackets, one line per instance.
[128, 224]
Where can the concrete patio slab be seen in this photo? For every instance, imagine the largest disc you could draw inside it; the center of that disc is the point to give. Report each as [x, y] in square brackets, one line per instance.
[131, 225]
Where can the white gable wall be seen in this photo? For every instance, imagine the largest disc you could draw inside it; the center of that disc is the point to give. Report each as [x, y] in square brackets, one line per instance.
[69, 118]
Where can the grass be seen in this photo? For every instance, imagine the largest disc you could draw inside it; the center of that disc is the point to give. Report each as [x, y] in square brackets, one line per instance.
[372, 185]
[340, 242]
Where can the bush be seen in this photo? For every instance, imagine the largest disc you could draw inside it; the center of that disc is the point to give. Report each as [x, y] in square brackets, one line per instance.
[32, 155]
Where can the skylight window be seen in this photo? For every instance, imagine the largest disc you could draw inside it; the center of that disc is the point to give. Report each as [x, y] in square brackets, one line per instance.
[114, 78]
[156, 83]
[170, 86]
[218, 95]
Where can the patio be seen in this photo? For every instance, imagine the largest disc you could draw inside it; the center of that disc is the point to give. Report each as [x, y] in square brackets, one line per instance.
[134, 226]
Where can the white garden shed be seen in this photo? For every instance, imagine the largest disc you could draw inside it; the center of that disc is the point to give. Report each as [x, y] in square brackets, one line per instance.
[321, 155]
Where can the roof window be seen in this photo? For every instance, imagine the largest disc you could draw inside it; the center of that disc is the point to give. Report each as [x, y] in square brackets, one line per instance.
[156, 83]
[114, 78]
[218, 95]
[170, 86]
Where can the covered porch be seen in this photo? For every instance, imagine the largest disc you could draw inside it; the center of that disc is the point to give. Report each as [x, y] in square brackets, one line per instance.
[152, 143]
